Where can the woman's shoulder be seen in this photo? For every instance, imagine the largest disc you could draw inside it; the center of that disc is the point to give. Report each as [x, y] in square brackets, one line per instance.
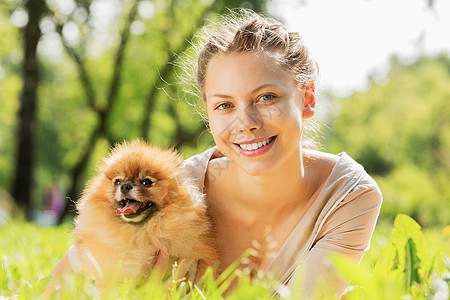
[198, 160]
[349, 196]
[323, 160]
[196, 165]
[340, 169]
[319, 165]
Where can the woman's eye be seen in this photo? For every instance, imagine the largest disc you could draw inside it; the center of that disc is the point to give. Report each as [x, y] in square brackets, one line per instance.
[266, 98]
[223, 106]
[117, 181]
[146, 182]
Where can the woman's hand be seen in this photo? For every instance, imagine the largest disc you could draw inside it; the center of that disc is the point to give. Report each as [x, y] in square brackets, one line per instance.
[173, 272]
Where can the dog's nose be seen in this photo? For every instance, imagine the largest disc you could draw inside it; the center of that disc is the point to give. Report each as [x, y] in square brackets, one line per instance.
[124, 188]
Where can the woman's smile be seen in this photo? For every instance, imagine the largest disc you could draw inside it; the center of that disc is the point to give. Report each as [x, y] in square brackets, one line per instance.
[256, 147]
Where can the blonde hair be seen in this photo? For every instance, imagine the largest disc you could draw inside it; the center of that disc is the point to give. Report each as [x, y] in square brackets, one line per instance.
[244, 31]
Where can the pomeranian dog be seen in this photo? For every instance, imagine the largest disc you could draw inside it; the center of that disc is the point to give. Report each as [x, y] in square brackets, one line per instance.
[139, 203]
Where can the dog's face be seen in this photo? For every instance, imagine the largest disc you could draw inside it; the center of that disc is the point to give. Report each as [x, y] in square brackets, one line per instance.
[140, 177]
[133, 196]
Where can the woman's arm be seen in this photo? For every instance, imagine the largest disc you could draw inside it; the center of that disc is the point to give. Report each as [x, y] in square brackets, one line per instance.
[346, 231]
[61, 267]
[70, 263]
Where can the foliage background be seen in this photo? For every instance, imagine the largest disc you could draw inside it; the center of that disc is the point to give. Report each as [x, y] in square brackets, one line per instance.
[110, 76]
[95, 91]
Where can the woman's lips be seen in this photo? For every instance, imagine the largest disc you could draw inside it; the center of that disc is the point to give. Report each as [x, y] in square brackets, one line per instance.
[255, 147]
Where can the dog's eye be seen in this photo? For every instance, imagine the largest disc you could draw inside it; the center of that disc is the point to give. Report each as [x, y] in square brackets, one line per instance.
[146, 182]
[117, 181]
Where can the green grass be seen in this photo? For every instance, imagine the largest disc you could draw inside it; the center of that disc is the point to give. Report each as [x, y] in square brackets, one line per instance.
[406, 263]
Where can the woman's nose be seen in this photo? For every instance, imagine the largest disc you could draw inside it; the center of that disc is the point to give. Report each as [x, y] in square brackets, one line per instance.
[249, 119]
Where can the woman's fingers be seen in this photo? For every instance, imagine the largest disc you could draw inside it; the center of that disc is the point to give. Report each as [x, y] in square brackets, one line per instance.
[161, 265]
[192, 272]
[179, 271]
[182, 270]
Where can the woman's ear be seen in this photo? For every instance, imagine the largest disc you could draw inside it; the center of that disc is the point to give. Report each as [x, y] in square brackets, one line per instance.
[309, 101]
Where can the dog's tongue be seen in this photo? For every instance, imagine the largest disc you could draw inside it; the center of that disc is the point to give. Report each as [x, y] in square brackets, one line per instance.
[130, 208]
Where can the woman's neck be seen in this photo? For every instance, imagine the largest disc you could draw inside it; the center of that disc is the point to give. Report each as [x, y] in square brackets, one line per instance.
[273, 193]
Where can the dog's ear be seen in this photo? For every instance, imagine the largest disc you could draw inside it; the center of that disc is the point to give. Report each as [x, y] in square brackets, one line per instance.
[174, 185]
[173, 192]
[180, 190]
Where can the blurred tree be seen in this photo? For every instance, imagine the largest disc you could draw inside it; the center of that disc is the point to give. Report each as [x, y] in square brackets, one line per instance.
[103, 112]
[106, 77]
[173, 16]
[107, 74]
[23, 180]
[399, 130]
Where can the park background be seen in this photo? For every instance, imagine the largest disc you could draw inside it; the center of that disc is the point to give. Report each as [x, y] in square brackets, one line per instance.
[77, 76]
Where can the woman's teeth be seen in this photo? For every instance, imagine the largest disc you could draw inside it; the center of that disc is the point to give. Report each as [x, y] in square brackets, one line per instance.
[255, 146]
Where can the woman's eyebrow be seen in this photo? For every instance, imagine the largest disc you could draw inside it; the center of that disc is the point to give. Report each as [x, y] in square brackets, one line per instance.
[264, 86]
[221, 96]
[252, 92]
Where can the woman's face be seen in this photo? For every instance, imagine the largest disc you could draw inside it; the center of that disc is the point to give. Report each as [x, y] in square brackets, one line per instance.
[254, 109]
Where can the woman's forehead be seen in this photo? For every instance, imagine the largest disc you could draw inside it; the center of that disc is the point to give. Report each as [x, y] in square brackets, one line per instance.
[246, 70]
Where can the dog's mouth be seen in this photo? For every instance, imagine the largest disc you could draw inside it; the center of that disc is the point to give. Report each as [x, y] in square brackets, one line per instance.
[132, 208]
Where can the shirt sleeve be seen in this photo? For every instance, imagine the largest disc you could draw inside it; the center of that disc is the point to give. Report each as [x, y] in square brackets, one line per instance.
[347, 231]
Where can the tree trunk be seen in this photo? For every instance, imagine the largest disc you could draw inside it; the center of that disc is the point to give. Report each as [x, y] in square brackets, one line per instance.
[23, 181]
[103, 114]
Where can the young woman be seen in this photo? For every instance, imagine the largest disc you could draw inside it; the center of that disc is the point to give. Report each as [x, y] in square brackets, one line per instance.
[265, 188]
[261, 181]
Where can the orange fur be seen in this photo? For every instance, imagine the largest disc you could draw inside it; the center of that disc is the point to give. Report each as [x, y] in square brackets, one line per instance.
[179, 225]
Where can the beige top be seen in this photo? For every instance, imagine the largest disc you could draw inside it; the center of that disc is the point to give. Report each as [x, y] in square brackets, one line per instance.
[341, 220]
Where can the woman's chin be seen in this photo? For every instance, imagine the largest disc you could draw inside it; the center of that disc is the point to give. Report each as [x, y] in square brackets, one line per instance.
[254, 165]
[257, 168]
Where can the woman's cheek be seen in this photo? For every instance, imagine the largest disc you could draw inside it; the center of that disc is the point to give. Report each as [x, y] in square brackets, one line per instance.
[289, 123]
[219, 132]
